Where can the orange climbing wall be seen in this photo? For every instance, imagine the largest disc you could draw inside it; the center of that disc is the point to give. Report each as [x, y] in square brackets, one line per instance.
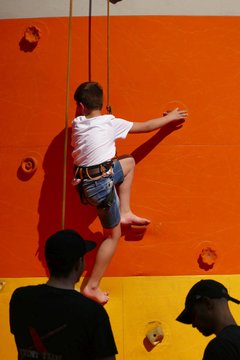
[186, 182]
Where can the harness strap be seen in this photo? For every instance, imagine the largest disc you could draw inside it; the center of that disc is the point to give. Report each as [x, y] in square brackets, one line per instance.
[94, 172]
[80, 172]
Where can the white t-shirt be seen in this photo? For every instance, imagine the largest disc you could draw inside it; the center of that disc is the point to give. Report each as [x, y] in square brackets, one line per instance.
[93, 139]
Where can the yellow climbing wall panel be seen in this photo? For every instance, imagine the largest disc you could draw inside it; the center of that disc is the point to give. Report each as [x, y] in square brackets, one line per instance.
[134, 303]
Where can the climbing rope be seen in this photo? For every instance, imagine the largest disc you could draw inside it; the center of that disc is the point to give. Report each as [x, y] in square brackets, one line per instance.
[108, 107]
[90, 41]
[66, 114]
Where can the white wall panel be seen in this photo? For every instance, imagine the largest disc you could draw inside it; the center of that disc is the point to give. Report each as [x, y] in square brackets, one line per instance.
[58, 8]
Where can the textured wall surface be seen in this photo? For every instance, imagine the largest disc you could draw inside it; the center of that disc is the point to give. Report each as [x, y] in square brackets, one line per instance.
[186, 180]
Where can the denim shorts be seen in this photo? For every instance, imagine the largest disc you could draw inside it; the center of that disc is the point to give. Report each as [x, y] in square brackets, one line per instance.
[102, 194]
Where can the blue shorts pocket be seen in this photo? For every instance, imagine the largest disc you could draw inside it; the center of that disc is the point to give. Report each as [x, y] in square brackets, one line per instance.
[99, 192]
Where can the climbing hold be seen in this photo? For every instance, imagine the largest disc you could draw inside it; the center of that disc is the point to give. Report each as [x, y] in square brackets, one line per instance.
[171, 105]
[207, 258]
[29, 165]
[2, 284]
[32, 34]
[30, 39]
[138, 228]
[155, 333]
[133, 232]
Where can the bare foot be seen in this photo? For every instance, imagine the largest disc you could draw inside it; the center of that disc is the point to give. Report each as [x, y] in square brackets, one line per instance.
[132, 219]
[96, 295]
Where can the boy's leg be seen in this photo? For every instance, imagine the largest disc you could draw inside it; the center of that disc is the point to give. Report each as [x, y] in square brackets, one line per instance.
[103, 258]
[112, 235]
[124, 192]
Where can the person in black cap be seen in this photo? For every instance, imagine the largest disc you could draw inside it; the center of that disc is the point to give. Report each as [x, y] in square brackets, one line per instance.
[206, 308]
[53, 321]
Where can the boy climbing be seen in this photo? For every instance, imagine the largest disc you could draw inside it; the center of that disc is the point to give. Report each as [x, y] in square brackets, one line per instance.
[103, 179]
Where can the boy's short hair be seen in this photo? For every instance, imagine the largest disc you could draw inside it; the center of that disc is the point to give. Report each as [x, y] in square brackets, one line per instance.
[63, 249]
[90, 94]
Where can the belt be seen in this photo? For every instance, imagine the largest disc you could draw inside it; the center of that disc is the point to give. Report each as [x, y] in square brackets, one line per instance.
[93, 172]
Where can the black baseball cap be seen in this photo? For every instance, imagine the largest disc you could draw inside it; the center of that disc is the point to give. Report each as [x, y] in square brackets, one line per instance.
[204, 288]
[67, 245]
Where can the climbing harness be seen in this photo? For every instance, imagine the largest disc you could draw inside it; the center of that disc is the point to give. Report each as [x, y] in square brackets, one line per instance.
[95, 172]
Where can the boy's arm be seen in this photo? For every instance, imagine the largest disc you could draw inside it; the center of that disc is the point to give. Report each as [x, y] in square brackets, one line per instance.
[154, 124]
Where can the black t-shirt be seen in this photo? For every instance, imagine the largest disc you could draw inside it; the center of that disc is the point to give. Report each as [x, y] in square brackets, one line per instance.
[57, 324]
[225, 346]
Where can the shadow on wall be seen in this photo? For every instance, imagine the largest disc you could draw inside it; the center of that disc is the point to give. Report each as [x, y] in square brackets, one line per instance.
[77, 216]
[143, 150]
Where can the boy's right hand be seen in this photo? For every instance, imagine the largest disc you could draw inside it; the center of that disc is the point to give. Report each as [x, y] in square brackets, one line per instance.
[154, 124]
[175, 114]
